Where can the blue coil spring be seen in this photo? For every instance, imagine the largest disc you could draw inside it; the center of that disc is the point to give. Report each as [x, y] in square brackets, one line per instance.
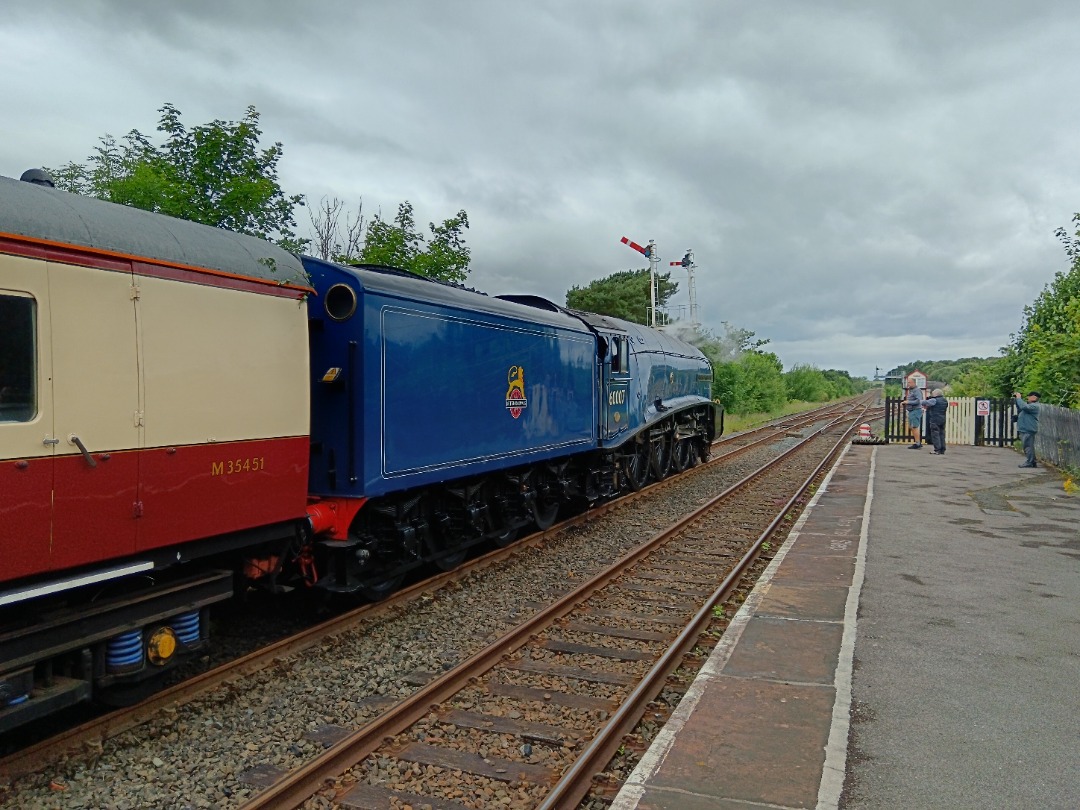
[124, 651]
[187, 627]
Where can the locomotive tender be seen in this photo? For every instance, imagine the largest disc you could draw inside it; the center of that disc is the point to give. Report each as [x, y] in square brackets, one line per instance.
[185, 410]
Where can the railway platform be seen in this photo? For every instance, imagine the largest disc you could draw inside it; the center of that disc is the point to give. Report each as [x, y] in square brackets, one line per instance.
[914, 643]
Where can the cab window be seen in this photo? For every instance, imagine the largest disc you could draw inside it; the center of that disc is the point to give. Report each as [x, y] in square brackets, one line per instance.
[17, 359]
[618, 355]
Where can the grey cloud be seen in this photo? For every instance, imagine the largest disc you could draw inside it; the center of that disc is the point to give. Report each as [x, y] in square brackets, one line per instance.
[862, 184]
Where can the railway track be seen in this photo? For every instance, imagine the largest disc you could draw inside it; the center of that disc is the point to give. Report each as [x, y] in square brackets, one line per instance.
[94, 734]
[582, 669]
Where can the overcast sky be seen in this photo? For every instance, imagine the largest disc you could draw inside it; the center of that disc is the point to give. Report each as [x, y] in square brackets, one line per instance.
[862, 183]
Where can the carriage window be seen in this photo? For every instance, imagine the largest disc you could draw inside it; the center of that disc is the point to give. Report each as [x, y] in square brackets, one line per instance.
[17, 366]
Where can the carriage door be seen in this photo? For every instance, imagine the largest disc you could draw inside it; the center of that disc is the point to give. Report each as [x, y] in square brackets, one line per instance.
[616, 385]
[96, 414]
[26, 451]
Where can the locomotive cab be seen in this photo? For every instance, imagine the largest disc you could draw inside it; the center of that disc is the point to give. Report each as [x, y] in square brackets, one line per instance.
[656, 416]
[615, 369]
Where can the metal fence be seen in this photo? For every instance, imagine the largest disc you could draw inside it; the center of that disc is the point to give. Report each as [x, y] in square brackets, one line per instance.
[1057, 442]
[967, 423]
[1058, 439]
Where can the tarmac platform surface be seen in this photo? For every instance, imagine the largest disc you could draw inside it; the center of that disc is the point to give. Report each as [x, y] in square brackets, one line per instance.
[915, 643]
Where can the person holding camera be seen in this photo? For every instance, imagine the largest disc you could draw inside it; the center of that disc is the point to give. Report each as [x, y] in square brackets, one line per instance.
[1027, 424]
[937, 412]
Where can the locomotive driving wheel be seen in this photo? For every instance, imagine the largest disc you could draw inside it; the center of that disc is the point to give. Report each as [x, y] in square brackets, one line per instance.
[684, 455]
[660, 456]
[635, 461]
[506, 522]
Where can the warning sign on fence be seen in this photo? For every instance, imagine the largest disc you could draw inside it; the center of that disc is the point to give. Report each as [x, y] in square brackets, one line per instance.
[982, 407]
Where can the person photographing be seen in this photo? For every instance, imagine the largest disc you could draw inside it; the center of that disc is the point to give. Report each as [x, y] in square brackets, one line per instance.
[937, 412]
[1027, 424]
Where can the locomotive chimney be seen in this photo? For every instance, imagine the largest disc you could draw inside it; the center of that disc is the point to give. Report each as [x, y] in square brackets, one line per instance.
[39, 177]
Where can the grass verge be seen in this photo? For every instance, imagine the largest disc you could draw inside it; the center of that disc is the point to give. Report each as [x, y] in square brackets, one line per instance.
[735, 422]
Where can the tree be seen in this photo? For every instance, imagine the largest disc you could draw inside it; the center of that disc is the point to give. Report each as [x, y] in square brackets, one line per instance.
[751, 384]
[447, 256]
[1053, 359]
[977, 381]
[726, 347]
[733, 384]
[805, 383]
[763, 383]
[842, 384]
[1045, 354]
[214, 174]
[336, 240]
[622, 295]
[398, 244]
[727, 386]
[943, 370]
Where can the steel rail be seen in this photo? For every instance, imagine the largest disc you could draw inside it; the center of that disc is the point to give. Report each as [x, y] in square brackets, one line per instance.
[300, 785]
[576, 781]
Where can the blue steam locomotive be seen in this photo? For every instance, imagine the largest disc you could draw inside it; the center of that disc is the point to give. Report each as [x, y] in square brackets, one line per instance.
[442, 418]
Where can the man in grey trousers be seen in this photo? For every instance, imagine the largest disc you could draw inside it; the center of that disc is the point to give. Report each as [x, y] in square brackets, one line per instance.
[1027, 424]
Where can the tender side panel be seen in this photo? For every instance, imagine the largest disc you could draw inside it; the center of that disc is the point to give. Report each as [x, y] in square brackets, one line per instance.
[460, 391]
[26, 464]
[226, 410]
[96, 401]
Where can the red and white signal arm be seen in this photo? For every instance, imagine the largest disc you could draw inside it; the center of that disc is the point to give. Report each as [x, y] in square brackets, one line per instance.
[982, 407]
[915, 379]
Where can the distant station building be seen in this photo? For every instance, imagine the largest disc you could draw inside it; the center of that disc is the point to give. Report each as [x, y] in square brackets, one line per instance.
[915, 379]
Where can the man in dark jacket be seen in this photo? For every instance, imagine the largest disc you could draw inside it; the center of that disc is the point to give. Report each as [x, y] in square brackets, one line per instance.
[1027, 424]
[937, 411]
